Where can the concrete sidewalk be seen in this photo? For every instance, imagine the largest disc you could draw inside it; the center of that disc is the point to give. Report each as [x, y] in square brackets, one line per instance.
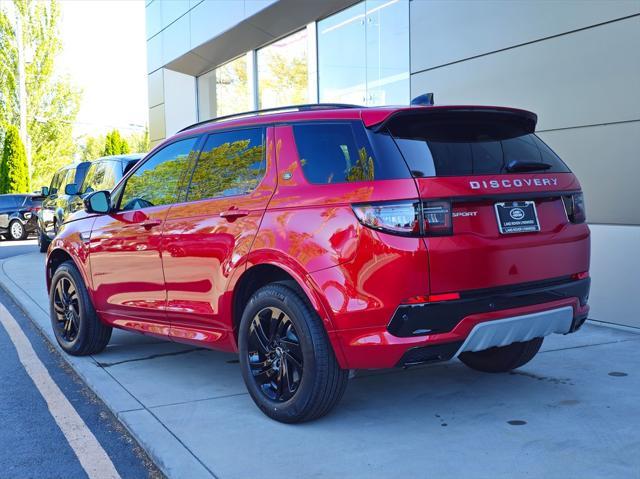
[572, 412]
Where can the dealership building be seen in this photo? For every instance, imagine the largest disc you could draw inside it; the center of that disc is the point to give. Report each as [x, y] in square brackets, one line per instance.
[575, 63]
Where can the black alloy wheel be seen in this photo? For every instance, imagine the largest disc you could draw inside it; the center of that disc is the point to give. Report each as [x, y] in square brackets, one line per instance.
[67, 310]
[77, 327]
[275, 356]
[286, 358]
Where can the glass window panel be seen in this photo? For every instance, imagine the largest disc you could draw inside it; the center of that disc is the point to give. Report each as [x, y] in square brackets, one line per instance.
[387, 52]
[224, 91]
[363, 54]
[282, 72]
[231, 163]
[342, 72]
[341, 153]
[161, 179]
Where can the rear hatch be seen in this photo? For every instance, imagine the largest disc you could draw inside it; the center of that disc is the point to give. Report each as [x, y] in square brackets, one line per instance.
[517, 211]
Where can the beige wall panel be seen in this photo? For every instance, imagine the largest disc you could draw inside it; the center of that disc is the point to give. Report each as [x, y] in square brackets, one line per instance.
[175, 39]
[179, 101]
[587, 77]
[447, 31]
[157, 129]
[606, 160]
[156, 88]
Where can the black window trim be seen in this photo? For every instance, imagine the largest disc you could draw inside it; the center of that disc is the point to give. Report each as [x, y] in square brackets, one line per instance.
[206, 135]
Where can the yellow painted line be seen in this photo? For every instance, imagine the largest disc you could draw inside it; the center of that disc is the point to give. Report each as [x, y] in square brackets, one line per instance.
[93, 458]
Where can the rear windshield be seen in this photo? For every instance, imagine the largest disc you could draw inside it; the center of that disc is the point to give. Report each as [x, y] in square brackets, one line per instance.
[471, 145]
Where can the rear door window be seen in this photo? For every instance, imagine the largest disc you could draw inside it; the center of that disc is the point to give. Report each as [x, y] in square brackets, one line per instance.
[231, 163]
[340, 152]
[470, 146]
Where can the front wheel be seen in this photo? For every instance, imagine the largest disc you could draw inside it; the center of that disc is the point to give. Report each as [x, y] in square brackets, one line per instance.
[504, 358]
[17, 231]
[77, 327]
[287, 362]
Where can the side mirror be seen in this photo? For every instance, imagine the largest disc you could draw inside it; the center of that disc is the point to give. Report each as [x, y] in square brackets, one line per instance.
[71, 189]
[98, 202]
[44, 191]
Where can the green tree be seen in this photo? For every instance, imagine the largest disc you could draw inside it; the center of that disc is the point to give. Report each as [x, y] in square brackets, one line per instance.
[51, 101]
[114, 144]
[93, 148]
[139, 142]
[13, 168]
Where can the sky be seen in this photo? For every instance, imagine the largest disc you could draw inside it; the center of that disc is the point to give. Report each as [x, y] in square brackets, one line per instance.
[104, 53]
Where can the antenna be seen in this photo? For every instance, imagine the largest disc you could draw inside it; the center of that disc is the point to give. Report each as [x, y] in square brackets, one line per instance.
[424, 100]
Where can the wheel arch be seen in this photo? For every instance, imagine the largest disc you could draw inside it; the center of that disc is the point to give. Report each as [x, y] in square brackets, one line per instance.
[55, 258]
[258, 275]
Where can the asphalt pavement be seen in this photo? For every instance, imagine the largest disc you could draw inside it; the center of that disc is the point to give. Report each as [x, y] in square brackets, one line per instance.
[39, 398]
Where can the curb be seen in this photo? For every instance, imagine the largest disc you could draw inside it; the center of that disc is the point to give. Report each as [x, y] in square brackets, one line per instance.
[165, 450]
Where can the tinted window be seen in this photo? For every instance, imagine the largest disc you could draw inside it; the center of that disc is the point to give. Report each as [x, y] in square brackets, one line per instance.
[463, 146]
[66, 178]
[6, 202]
[231, 163]
[159, 180]
[102, 175]
[341, 152]
[55, 182]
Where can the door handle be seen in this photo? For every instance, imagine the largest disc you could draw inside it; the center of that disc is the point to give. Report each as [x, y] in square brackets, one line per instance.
[233, 213]
[151, 223]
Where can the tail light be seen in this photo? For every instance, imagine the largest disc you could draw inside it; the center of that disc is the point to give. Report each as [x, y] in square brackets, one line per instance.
[574, 206]
[400, 218]
[407, 218]
[437, 218]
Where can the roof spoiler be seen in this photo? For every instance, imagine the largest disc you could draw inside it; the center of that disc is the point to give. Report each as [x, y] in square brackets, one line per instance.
[379, 119]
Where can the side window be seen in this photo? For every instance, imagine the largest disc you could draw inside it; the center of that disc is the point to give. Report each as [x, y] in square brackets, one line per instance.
[66, 178]
[341, 153]
[89, 184]
[158, 181]
[231, 163]
[4, 201]
[101, 176]
[55, 182]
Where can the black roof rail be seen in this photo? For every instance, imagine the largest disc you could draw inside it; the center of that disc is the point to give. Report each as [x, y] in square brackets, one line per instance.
[304, 107]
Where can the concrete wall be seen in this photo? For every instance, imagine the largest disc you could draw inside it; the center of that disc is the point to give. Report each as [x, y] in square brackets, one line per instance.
[576, 64]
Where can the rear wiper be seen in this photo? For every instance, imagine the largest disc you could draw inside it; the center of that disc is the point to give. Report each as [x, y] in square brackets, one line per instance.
[515, 165]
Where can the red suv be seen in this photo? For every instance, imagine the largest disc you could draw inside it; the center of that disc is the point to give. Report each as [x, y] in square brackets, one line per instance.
[325, 238]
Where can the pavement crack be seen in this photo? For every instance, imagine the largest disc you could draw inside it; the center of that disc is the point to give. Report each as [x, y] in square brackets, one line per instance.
[153, 356]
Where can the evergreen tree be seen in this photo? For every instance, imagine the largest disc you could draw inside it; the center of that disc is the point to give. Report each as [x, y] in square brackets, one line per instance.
[14, 175]
[114, 144]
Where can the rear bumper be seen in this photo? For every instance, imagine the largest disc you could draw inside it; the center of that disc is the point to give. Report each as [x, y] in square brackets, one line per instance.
[441, 317]
[480, 319]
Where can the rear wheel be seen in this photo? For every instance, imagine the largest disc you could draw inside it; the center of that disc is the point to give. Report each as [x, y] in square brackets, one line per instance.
[75, 323]
[17, 231]
[504, 358]
[287, 362]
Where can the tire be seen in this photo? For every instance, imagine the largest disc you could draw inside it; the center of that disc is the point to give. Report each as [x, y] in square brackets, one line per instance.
[43, 241]
[77, 327]
[316, 381]
[504, 358]
[17, 231]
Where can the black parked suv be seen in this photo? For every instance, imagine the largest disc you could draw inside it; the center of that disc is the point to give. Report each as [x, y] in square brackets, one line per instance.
[18, 215]
[67, 190]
